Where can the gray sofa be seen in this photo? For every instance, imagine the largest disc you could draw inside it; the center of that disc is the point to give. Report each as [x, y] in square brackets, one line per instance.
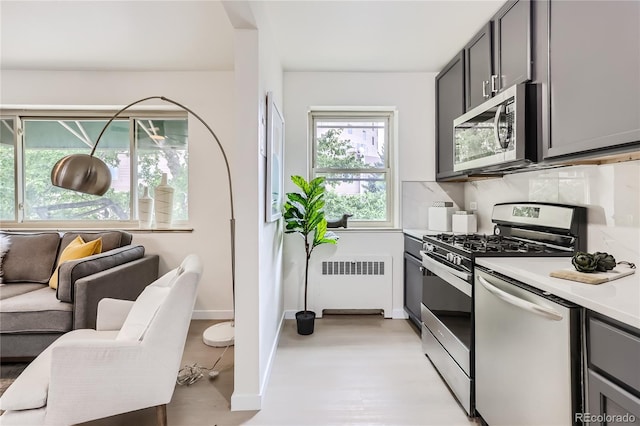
[33, 315]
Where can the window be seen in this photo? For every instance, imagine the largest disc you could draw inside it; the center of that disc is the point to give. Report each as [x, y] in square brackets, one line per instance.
[356, 164]
[7, 169]
[138, 150]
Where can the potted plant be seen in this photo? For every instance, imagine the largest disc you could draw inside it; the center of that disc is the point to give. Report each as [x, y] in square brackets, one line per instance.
[304, 214]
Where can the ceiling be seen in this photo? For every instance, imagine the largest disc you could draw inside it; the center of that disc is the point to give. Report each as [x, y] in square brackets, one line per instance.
[310, 35]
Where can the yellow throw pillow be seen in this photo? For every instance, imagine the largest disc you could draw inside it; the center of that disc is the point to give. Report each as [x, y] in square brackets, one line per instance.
[77, 249]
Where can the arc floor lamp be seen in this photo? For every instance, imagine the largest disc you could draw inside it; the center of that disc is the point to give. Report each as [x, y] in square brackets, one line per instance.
[90, 175]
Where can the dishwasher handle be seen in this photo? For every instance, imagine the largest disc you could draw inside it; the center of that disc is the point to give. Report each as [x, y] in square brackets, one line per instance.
[520, 303]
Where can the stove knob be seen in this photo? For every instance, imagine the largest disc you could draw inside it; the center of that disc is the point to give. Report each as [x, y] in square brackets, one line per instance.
[450, 257]
[458, 260]
[427, 247]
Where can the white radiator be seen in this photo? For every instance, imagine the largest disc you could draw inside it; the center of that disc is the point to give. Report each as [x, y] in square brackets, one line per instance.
[362, 282]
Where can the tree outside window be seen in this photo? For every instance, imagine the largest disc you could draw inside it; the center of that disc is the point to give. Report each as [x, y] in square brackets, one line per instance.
[351, 153]
[159, 146]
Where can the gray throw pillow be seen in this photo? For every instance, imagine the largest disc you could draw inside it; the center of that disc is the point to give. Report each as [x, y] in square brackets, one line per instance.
[110, 239]
[5, 242]
[31, 257]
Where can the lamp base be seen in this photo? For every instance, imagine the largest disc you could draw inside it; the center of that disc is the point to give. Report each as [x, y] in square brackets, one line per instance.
[219, 335]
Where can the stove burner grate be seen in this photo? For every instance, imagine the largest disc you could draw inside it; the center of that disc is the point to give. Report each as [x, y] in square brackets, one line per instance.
[482, 243]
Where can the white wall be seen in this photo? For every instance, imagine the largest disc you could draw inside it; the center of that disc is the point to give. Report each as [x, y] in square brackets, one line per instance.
[259, 304]
[271, 287]
[413, 96]
[210, 94]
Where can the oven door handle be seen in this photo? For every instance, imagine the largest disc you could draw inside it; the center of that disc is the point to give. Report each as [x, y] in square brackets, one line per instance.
[458, 279]
[520, 303]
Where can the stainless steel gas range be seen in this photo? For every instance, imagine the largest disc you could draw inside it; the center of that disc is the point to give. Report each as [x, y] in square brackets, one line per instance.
[520, 229]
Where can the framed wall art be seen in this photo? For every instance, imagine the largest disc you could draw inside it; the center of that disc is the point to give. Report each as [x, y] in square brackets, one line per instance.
[275, 161]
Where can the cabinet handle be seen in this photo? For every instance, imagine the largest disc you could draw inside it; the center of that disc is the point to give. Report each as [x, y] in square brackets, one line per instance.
[494, 83]
[484, 89]
[422, 269]
[543, 311]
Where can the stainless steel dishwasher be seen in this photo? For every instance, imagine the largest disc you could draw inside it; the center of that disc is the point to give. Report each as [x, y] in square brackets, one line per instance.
[527, 354]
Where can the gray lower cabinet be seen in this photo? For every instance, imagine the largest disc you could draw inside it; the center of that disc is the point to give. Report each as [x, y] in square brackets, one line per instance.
[613, 376]
[609, 404]
[413, 277]
[594, 83]
[450, 101]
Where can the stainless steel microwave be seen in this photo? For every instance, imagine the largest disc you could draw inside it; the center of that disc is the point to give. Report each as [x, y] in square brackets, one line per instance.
[498, 135]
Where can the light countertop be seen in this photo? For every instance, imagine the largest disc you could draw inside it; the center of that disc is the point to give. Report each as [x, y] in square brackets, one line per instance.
[618, 299]
[418, 233]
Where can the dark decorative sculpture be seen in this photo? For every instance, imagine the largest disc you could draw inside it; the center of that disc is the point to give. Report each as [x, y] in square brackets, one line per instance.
[340, 223]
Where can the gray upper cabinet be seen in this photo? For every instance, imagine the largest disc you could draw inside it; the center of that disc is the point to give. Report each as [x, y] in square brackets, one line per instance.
[512, 46]
[594, 77]
[478, 67]
[499, 55]
[450, 102]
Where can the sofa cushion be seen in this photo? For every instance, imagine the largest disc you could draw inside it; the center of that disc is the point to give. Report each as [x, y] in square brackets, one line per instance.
[142, 312]
[110, 239]
[77, 249]
[16, 289]
[31, 257]
[37, 311]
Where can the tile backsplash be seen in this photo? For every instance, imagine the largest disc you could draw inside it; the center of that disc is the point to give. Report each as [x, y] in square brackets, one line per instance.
[417, 197]
[611, 192]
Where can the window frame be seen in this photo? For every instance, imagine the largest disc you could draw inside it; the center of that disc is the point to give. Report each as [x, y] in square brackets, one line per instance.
[337, 114]
[21, 114]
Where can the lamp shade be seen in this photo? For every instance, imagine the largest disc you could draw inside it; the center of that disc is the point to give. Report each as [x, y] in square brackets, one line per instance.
[83, 173]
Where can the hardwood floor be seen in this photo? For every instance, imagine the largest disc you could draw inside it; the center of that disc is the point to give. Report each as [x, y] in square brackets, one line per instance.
[354, 369]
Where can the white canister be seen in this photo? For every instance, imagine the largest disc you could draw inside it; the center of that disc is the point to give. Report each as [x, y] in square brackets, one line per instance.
[440, 218]
[145, 209]
[464, 223]
[163, 203]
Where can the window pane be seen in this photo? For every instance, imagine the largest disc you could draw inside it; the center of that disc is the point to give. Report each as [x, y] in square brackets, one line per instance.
[350, 144]
[7, 175]
[364, 195]
[46, 141]
[161, 146]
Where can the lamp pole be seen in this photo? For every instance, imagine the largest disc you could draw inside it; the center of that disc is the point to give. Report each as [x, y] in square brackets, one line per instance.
[81, 172]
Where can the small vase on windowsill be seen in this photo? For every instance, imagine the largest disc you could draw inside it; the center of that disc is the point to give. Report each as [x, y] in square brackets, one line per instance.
[163, 203]
[145, 209]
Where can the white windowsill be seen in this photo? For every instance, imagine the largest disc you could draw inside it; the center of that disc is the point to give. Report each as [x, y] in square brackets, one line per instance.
[60, 227]
[337, 230]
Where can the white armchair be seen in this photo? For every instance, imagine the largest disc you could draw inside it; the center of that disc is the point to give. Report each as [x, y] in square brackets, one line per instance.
[129, 362]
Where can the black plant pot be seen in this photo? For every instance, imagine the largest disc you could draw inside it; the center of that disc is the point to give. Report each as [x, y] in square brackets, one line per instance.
[305, 321]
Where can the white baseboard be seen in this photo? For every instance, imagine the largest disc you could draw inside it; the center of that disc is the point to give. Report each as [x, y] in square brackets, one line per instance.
[200, 314]
[399, 314]
[272, 357]
[247, 402]
[396, 314]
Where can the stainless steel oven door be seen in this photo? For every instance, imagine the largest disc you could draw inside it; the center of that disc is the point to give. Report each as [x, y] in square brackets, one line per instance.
[447, 325]
[448, 302]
